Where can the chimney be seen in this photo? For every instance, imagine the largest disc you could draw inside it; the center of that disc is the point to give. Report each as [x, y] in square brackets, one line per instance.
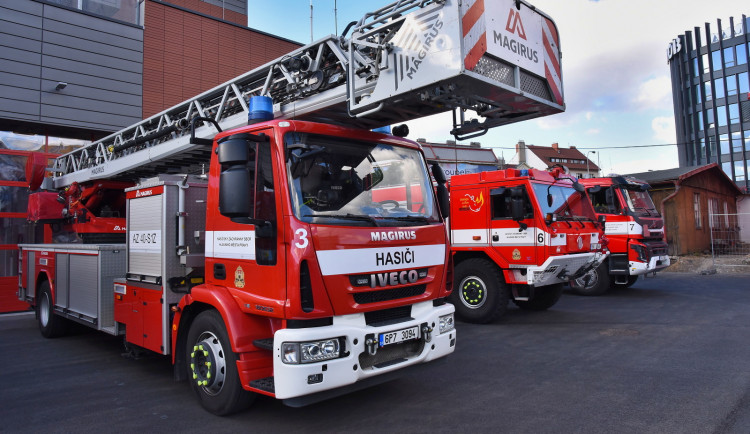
[421, 140]
[450, 142]
[555, 146]
[475, 144]
[521, 149]
[572, 147]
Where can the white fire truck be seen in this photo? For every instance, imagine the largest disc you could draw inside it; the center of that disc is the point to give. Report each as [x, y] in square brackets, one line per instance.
[266, 258]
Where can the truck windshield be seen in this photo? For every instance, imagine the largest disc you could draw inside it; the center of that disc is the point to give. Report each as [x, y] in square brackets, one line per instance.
[346, 182]
[567, 204]
[639, 202]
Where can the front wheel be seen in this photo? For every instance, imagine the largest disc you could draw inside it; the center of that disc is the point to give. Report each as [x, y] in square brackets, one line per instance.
[212, 366]
[480, 295]
[51, 325]
[595, 282]
[544, 298]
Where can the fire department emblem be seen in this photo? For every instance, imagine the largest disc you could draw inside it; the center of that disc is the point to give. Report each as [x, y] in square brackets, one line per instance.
[239, 277]
[580, 242]
[516, 255]
[474, 203]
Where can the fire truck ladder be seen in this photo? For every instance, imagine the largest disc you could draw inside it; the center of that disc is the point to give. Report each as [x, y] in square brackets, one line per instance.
[360, 81]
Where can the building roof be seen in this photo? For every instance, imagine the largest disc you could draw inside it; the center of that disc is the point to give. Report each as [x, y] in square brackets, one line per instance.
[570, 156]
[680, 174]
[451, 152]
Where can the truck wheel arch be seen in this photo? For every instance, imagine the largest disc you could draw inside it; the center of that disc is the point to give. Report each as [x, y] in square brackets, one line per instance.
[241, 327]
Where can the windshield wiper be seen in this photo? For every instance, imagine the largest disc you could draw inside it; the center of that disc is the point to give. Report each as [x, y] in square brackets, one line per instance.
[411, 218]
[359, 217]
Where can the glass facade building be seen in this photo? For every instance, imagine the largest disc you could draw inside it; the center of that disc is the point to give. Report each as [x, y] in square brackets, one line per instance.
[711, 92]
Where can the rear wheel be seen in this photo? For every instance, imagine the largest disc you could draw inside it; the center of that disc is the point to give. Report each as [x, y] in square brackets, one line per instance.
[595, 282]
[544, 298]
[480, 295]
[212, 366]
[51, 325]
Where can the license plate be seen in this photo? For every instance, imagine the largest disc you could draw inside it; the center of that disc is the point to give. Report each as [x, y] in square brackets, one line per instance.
[397, 336]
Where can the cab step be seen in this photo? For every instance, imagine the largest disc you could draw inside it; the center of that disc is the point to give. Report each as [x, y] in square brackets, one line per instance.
[264, 384]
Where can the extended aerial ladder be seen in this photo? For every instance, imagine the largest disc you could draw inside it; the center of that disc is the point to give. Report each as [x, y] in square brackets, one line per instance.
[410, 59]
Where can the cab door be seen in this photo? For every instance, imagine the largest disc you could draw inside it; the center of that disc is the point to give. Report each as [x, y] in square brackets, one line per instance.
[514, 240]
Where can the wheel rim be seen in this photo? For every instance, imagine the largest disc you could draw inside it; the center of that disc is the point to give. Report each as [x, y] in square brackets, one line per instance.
[588, 280]
[44, 309]
[208, 363]
[473, 292]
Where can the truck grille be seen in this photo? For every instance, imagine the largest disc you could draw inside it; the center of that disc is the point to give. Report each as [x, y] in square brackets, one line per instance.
[389, 294]
[390, 316]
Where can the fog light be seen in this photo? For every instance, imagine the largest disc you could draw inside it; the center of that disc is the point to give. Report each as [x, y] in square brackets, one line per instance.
[309, 352]
[446, 323]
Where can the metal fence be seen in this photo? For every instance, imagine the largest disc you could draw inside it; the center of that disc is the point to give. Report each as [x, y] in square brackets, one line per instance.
[730, 234]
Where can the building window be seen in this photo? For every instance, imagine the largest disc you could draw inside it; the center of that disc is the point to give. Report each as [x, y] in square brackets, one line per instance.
[731, 85]
[739, 171]
[719, 89]
[736, 141]
[698, 98]
[744, 86]
[724, 144]
[727, 168]
[734, 113]
[747, 140]
[696, 71]
[726, 214]
[697, 210]
[709, 95]
[716, 60]
[721, 114]
[706, 66]
[729, 57]
[741, 54]
[713, 206]
[709, 119]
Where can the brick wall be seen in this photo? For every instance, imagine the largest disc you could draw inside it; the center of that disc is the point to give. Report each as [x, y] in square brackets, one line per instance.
[185, 54]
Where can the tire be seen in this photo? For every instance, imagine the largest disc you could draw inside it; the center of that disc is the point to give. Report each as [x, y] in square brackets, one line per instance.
[631, 282]
[212, 366]
[595, 282]
[544, 298]
[50, 325]
[480, 295]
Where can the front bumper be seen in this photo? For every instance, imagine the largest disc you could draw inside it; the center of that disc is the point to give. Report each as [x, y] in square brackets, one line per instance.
[564, 268]
[356, 364]
[656, 263]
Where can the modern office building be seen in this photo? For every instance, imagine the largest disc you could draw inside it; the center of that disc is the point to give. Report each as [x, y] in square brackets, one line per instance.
[711, 91]
[82, 69]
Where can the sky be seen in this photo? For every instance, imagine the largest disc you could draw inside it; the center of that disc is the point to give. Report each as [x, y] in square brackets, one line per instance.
[616, 77]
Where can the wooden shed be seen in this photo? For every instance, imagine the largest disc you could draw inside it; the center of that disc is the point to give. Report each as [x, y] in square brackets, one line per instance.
[686, 196]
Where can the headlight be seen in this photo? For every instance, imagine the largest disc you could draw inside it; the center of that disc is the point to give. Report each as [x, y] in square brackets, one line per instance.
[293, 353]
[446, 323]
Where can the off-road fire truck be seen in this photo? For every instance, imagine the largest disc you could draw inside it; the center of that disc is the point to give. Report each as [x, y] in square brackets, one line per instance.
[635, 230]
[270, 258]
[519, 235]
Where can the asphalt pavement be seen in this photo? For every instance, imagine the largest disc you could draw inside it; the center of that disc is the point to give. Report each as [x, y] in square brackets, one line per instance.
[669, 355]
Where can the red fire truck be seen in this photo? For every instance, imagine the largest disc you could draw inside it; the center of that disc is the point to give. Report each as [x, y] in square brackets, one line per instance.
[519, 235]
[635, 230]
[278, 258]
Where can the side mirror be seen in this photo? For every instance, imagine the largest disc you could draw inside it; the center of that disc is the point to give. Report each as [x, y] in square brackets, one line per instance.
[550, 200]
[235, 195]
[442, 191]
[595, 189]
[579, 187]
[438, 174]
